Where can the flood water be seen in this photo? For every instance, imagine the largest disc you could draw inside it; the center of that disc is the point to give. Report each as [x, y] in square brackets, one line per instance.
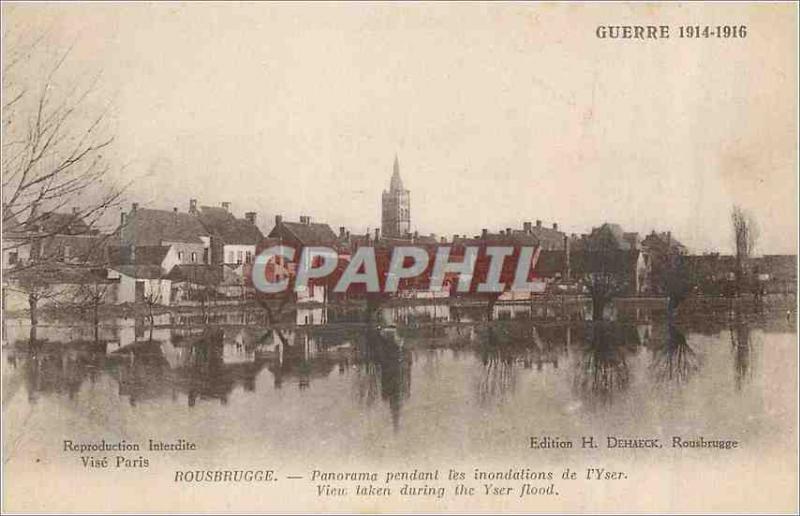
[437, 385]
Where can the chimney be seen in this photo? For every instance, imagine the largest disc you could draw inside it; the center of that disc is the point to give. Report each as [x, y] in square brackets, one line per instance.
[174, 210]
[508, 231]
[526, 226]
[538, 223]
[134, 206]
[305, 219]
[455, 237]
[250, 217]
[555, 226]
[377, 234]
[193, 206]
[443, 240]
[341, 232]
[347, 235]
[416, 234]
[278, 220]
[484, 233]
[226, 205]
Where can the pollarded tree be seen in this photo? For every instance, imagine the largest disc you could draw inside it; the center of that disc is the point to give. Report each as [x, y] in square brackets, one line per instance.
[745, 237]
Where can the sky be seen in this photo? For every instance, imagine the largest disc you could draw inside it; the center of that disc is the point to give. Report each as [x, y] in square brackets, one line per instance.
[498, 113]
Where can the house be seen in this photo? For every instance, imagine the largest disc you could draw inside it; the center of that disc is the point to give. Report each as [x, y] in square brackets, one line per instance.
[304, 233]
[777, 272]
[233, 240]
[550, 239]
[80, 248]
[663, 243]
[163, 256]
[56, 223]
[629, 268]
[50, 236]
[141, 283]
[56, 282]
[15, 241]
[610, 236]
[183, 231]
[193, 284]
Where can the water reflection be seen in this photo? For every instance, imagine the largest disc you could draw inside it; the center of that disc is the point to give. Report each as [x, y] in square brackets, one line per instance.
[505, 348]
[674, 360]
[394, 369]
[741, 345]
[383, 367]
[602, 367]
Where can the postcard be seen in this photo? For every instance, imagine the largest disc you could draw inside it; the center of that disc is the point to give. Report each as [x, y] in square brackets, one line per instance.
[379, 257]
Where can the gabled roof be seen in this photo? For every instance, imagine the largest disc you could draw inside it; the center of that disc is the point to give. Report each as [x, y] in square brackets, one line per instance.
[220, 222]
[608, 236]
[663, 242]
[56, 223]
[306, 233]
[139, 271]
[144, 226]
[203, 274]
[138, 255]
[83, 248]
[52, 273]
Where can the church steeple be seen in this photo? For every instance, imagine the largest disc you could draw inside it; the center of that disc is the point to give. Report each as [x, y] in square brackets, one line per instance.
[396, 184]
[396, 206]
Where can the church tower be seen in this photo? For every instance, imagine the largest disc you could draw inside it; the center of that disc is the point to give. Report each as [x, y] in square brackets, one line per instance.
[396, 207]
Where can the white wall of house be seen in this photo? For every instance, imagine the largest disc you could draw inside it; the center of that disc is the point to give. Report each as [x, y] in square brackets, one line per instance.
[170, 260]
[13, 254]
[160, 288]
[233, 254]
[188, 253]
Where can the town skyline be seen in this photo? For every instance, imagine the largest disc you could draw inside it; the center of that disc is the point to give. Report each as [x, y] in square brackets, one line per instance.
[491, 142]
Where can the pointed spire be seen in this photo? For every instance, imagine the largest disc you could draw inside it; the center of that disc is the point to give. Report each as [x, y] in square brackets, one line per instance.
[396, 183]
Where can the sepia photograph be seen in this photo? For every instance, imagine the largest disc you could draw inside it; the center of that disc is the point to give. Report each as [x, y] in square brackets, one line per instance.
[389, 257]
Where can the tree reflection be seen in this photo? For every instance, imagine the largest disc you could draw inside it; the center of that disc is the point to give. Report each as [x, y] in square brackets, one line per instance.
[602, 368]
[507, 346]
[741, 345]
[675, 360]
[498, 358]
[384, 366]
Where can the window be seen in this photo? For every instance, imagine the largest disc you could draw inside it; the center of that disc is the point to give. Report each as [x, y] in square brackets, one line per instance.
[180, 256]
[194, 257]
[239, 256]
[13, 256]
[248, 257]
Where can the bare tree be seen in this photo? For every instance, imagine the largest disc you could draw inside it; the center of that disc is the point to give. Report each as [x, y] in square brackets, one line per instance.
[151, 299]
[90, 296]
[745, 236]
[55, 140]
